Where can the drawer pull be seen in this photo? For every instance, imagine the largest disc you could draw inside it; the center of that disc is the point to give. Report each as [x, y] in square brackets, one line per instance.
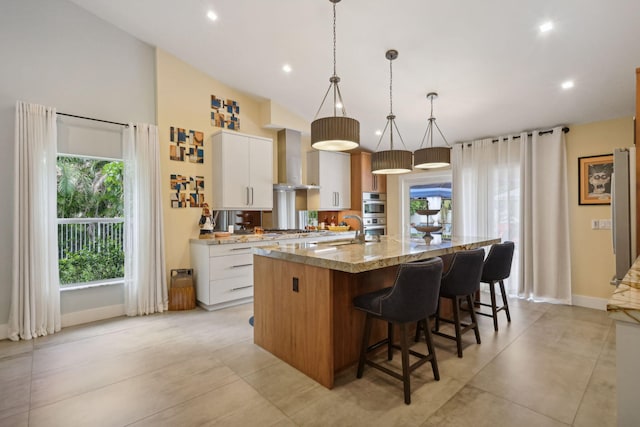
[241, 265]
[241, 288]
[240, 249]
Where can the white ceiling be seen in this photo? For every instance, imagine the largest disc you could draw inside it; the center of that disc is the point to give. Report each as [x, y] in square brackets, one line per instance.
[495, 72]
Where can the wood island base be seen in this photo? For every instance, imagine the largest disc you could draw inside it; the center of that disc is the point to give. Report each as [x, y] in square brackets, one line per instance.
[304, 315]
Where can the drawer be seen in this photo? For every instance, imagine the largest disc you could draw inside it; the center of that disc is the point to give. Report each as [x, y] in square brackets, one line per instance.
[230, 249]
[222, 267]
[230, 289]
[237, 248]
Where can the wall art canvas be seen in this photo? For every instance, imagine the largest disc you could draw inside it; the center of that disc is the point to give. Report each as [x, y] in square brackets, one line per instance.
[594, 179]
[183, 145]
[177, 143]
[225, 113]
[187, 191]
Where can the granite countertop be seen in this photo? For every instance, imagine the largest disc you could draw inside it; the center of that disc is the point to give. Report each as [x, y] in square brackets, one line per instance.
[624, 304]
[245, 238]
[356, 258]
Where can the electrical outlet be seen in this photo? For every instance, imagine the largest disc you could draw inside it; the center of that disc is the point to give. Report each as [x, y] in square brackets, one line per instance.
[295, 285]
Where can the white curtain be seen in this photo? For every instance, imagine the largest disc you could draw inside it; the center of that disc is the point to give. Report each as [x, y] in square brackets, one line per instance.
[144, 271]
[486, 192]
[35, 298]
[545, 259]
[516, 188]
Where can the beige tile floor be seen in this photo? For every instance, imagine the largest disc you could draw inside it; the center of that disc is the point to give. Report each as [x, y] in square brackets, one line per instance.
[552, 366]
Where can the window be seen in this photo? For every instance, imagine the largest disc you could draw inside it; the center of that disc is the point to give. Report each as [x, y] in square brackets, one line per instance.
[416, 189]
[90, 220]
[434, 197]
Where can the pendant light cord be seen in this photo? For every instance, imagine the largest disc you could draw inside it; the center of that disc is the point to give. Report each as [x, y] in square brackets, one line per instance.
[391, 117]
[334, 80]
[391, 88]
[334, 40]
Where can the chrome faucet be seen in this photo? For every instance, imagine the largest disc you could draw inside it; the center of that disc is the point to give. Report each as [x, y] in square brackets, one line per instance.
[360, 232]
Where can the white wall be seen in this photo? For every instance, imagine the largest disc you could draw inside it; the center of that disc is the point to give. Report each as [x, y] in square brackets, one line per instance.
[56, 54]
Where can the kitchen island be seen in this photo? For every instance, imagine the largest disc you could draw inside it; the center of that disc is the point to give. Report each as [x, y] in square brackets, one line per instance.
[624, 308]
[303, 296]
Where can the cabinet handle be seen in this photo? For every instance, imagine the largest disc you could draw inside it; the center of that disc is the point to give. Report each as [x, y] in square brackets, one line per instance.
[242, 265]
[247, 196]
[240, 249]
[251, 196]
[241, 287]
[375, 182]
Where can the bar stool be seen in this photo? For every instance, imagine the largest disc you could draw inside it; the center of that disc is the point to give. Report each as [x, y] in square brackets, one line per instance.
[460, 282]
[497, 267]
[412, 298]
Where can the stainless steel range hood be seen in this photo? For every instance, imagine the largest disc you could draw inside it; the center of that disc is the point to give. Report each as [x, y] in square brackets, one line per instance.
[290, 162]
[285, 215]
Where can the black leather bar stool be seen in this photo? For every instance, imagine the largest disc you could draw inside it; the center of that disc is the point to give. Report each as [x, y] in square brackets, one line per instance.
[497, 267]
[412, 298]
[459, 283]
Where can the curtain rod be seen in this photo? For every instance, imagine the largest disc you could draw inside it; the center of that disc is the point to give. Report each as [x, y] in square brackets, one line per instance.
[95, 120]
[542, 132]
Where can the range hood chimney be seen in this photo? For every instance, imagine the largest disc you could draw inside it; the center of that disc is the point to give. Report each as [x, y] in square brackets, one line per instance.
[290, 161]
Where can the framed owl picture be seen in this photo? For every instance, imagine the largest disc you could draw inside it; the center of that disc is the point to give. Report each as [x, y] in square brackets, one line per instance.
[594, 179]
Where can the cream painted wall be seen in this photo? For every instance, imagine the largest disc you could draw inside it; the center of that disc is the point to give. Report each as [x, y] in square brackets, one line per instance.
[592, 262]
[184, 100]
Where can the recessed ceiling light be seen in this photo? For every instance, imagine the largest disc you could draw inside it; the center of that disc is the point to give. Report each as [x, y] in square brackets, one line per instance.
[547, 26]
[568, 84]
[286, 68]
[378, 132]
[212, 15]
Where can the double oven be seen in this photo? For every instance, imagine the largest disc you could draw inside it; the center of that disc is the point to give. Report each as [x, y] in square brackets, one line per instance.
[374, 213]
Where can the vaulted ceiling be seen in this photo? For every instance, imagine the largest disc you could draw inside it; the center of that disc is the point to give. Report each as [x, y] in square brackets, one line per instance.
[495, 71]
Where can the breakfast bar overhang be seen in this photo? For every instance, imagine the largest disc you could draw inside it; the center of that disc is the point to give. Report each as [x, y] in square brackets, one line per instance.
[303, 293]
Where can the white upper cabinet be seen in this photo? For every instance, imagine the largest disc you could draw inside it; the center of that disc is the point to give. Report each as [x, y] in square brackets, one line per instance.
[332, 172]
[242, 172]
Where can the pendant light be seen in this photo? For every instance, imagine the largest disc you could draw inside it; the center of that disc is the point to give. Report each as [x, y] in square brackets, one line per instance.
[335, 133]
[432, 157]
[391, 161]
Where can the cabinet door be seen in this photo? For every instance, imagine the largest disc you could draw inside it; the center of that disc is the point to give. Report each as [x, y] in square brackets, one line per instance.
[343, 180]
[380, 183]
[231, 166]
[261, 174]
[332, 171]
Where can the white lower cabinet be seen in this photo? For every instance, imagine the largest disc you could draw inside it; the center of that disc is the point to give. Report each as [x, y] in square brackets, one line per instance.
[223, 273]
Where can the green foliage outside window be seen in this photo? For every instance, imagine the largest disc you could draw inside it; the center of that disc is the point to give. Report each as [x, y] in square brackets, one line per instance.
[88, 265]
[415, 204]
[90, 188]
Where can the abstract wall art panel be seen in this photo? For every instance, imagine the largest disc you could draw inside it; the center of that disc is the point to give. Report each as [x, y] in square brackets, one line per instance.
[187, 191]
[225, 113]
[184, 144]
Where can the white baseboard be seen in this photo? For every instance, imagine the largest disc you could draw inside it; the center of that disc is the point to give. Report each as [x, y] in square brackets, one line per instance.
[589, 302]
[86, 316]
[79, 317]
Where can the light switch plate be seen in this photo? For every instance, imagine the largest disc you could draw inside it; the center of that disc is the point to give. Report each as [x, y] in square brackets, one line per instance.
[595, 224]
[605, 224]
